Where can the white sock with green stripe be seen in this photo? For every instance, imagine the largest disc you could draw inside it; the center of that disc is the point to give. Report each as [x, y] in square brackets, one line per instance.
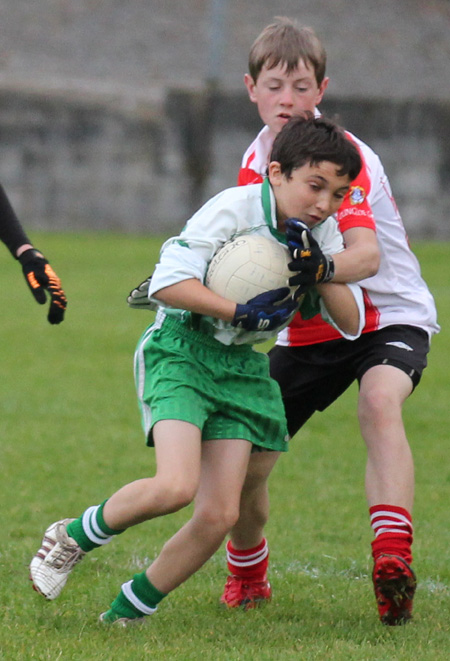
[90, 530]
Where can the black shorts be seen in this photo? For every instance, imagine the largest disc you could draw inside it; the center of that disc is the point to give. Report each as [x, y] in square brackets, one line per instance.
[314, 376]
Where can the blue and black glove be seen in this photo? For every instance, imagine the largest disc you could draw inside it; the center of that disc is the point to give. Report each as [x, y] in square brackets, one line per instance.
[267, 311]
[40, 278]
[311, 265]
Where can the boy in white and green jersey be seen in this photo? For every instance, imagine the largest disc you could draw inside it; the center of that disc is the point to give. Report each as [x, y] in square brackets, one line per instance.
[206, 396]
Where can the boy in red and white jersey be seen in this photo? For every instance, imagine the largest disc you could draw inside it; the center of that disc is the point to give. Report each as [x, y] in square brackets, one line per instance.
[311, 364]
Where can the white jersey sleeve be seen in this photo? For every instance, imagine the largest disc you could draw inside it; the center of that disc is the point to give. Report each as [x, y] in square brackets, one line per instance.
[359, 299]
[233, 212]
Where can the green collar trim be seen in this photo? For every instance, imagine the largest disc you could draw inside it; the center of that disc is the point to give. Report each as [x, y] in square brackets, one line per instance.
[270, 211]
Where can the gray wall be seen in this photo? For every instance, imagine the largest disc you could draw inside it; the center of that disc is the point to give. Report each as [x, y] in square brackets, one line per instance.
[95, 130]
[88, 160]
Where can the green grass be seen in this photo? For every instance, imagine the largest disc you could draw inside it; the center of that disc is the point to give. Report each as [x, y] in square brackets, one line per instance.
[70, 435]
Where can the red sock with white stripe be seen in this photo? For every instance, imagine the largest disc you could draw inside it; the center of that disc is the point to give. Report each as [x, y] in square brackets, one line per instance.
[393, 531]
[250, 563]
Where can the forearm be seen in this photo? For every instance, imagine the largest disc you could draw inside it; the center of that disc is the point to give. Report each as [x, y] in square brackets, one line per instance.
[11, 231]
[341, 306]
[192, 295]
[360, 259]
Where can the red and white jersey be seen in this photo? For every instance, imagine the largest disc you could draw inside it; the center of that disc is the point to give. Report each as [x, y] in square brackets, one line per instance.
[397, 294]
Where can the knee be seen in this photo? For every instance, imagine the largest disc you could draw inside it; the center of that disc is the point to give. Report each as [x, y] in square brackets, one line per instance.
[175, 496]
[218, 520]
[376, 405]
[229, 518]
[259, 469]
[254, 483]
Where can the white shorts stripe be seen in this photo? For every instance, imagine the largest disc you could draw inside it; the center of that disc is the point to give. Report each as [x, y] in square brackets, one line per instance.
[139, 372]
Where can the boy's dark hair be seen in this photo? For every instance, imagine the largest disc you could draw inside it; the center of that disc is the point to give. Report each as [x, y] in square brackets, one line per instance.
[309, 139]
[286, 42]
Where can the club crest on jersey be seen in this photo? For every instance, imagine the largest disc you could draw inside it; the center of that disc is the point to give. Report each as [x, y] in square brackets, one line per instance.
[357, 195]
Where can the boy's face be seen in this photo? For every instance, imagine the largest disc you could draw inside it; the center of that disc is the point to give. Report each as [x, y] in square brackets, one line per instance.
[279, 95]
[311, 194]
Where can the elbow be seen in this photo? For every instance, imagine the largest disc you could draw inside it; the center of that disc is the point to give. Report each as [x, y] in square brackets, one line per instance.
[373, 268]
[373, 263]
[350, 327]
[164, 295]
[353, 322]
[354, 329]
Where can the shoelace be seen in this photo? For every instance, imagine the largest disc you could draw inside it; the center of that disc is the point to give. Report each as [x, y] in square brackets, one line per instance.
[68, 555]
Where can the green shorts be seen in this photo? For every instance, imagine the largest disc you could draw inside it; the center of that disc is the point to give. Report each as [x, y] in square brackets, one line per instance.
[226, 391]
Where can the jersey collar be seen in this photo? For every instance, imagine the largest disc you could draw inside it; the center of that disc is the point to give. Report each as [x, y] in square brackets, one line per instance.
[270, 211]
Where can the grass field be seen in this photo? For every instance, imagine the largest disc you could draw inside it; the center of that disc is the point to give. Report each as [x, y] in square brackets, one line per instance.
[70, 435]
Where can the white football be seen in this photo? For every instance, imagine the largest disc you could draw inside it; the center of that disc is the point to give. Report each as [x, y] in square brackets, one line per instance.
[247, 266]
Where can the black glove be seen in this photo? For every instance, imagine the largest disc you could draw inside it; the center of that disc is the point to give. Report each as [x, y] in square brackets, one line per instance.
[266, 311]
[40, 277]
[311, 264]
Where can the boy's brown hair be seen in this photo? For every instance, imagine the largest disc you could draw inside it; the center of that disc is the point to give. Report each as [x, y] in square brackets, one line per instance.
[285, 41]
[308, 139]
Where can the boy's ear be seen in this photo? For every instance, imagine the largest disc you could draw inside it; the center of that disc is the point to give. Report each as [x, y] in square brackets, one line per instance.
[322, 87]
[250, 85]
[274, 172]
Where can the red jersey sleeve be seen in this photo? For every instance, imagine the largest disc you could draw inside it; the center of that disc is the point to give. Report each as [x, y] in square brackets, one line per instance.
[248, 176]
[355, 210]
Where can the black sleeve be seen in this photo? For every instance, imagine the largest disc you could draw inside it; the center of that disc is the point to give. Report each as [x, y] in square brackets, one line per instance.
[11, 231]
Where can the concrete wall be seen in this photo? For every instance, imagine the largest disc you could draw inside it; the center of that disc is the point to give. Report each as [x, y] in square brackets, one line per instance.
[95, 132]
[81, 162]
[78, 160]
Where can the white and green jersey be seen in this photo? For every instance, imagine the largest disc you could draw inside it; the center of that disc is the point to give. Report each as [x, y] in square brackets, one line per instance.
[230, 214]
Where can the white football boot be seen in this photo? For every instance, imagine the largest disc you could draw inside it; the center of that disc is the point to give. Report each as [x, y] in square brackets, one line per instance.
[52, 564]
[122, 621]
